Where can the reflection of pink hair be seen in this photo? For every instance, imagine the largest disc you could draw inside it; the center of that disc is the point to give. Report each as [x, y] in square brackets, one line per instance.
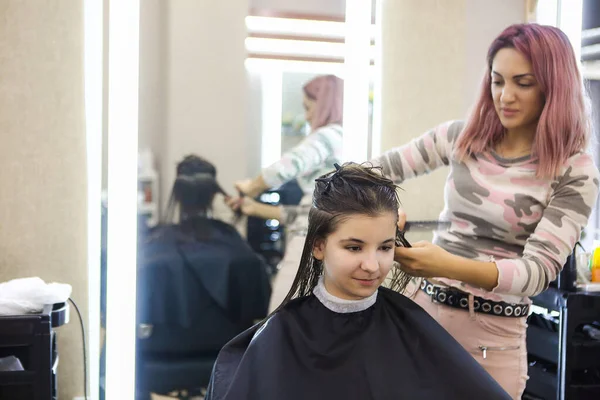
[564, 124]
[328, 92]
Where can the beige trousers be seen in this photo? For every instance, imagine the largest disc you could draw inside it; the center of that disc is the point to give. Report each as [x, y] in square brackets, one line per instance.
[497, 343]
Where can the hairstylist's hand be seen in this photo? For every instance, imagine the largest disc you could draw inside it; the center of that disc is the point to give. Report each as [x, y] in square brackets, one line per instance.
[248, 187]
[244, 186]
[253, 208]
[245, 205]
[424, 259]
[233, 202]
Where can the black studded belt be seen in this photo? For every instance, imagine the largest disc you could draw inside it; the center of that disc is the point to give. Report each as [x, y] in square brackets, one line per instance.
[455, 298]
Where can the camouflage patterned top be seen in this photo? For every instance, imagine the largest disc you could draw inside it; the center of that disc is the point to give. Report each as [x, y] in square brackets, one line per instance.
[313, 157]
[500, 211]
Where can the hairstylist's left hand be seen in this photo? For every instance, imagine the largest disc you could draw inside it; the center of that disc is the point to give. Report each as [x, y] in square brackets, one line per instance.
[247, 187]
[424, 259]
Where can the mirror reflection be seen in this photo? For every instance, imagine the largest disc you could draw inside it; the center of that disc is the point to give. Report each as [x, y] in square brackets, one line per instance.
[245, 113]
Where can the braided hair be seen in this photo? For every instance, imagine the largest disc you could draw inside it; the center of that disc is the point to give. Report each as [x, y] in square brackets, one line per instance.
[192, 195]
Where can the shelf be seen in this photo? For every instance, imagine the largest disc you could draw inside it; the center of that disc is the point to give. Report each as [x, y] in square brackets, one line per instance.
[31, 339]
[148, 182]
[147, 208]
[17, 378]
[586, 353]
[554, 299]
[147, 176]
[583, 392]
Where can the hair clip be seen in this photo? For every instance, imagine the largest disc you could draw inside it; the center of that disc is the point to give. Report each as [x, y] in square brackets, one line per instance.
[197, 175]
[328, 180]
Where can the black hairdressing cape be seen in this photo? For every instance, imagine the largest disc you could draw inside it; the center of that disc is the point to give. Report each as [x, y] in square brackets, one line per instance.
[392, 350]
[186, 282]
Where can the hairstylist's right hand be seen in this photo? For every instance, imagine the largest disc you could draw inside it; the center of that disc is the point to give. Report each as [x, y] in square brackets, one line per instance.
[245, 205]
[234, 203]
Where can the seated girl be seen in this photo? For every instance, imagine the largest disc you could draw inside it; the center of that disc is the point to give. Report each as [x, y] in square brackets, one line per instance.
[339, 334]
[199, 284]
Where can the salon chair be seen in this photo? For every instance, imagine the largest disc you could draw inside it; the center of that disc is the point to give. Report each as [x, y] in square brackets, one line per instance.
[182, 323]
[172, 358]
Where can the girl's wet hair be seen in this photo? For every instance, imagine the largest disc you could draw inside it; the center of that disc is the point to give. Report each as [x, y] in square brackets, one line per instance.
[192, 196]
[352, 189]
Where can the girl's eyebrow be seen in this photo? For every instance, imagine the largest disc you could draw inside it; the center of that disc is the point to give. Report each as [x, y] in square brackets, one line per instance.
[362, 241]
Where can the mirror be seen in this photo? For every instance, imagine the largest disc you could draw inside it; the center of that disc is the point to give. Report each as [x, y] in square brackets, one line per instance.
[227, 106]
[226, 84]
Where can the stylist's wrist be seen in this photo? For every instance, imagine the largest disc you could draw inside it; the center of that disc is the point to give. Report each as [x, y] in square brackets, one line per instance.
[481, 274]
[253, 208]
[453, 267]
[249, 210]
[267, 211]
[444, 264]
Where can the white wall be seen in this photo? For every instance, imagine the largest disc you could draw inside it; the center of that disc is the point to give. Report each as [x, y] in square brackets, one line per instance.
[43, 206]
[152, 102]
[433, 58]
[484, 20]
[205, 88]
[254, 123]
[292, 103]
[292, 95]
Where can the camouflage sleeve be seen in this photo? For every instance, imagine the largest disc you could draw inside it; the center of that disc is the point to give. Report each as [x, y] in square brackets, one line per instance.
[310, 154]
[422, 155]
[546, 250]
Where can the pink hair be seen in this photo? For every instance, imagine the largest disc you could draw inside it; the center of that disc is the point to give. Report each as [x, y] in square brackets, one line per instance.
[564, 125]
[328, 92]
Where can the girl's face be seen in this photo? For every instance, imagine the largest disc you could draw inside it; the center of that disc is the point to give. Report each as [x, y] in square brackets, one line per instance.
[358, 255]
[309, 108]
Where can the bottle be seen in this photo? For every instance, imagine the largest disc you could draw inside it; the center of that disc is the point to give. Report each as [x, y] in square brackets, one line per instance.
[595, 265]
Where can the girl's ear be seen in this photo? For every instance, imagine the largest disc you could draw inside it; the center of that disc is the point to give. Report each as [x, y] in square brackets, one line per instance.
[319, 249]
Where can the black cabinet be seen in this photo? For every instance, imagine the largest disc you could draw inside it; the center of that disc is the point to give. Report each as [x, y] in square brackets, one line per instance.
[564, 361]
[31, 338]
